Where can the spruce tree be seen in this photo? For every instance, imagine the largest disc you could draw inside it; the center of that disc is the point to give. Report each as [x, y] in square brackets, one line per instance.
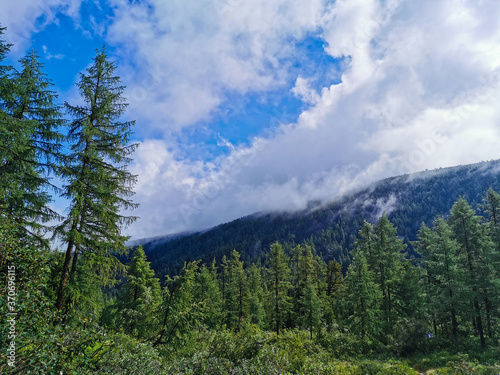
[492, 300]
[29, 147]
[334, 282]
[98, 182]
[333, 278]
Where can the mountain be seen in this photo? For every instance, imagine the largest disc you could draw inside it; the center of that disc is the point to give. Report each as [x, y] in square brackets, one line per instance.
[408, 201]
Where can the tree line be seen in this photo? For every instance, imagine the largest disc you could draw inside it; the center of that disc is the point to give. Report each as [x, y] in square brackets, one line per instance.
[448, 295]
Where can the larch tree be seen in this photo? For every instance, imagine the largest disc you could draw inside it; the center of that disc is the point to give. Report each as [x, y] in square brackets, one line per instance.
[476, 245]
[362, 298]
[99, 184]
[446, 276]
[237, 297]
[256, 311]
[180, 312]
[278, 285]
[310, 309]
[208, 292]
[388, 261]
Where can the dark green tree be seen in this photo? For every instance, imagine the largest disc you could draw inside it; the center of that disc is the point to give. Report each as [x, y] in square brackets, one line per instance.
[492, 300]
[29, 147]
[99, 184]
[334, 280]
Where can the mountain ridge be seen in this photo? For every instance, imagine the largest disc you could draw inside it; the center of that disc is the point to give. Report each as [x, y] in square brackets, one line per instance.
[332, 228]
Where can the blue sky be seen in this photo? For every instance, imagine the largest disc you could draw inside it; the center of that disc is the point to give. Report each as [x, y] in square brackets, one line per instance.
[245, 106]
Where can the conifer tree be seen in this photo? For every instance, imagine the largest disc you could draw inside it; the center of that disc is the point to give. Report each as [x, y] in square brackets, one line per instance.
[98, 182]
[180, 312]
[446, 276]
[334, 282]
[6, 84]
[492, 208]
[224, 266]
[141, 295]
[362, 298]
[476, 245]
[388, 261]
[365, 243]
[279, 284]
[29, 146]
[237, 296]
[492, 300]
[333, 278]
[256, 311]
[209, 293]
[310, 311]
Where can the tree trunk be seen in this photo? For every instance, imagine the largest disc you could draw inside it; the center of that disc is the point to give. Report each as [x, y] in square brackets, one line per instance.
[64, 276]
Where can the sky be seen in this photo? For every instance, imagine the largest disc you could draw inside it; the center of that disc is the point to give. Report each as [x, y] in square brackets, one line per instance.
[244, 106]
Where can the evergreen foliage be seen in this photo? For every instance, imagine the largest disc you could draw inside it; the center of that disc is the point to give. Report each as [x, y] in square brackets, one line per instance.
[141, 297]
[278, 286]
[99, 184]
[29, 146]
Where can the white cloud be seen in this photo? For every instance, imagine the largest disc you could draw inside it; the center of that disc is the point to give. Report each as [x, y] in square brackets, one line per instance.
[191, 54]
[49, 56]
[303, 90]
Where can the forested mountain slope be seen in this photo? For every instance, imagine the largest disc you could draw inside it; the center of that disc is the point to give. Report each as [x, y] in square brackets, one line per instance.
[407, 200]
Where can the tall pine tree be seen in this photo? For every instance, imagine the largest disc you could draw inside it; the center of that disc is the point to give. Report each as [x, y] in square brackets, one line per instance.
[445, 275]
[98, 182]
[476, 246]
[278, 285]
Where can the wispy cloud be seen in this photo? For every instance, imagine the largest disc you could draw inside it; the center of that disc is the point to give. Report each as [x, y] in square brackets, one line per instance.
[49, 56]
